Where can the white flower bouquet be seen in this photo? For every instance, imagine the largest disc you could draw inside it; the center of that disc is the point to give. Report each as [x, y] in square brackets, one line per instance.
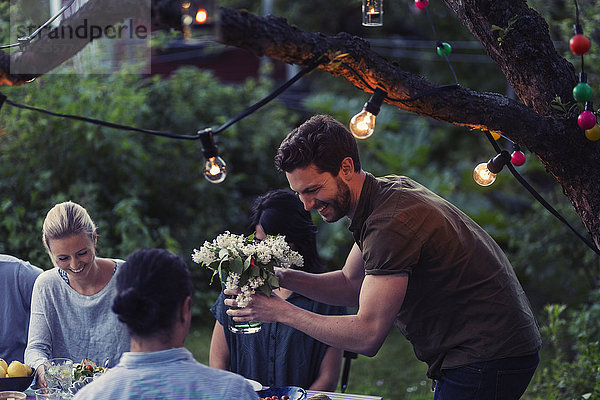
[241, 262]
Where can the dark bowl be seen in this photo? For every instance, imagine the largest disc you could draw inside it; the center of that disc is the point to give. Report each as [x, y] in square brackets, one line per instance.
[293, 392]
[19, 384]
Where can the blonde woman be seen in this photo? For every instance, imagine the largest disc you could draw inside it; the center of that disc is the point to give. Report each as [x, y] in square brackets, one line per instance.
[71, 313]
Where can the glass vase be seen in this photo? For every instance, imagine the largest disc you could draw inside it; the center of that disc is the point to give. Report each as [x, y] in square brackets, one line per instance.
[243, 328]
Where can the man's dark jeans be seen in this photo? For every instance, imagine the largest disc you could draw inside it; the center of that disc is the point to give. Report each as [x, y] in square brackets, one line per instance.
[503, 379]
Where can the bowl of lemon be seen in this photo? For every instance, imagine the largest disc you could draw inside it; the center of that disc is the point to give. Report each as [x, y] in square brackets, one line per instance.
[15, 376]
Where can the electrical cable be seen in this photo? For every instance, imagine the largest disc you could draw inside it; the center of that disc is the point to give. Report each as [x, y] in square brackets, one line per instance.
[539, 197]
[102, 123]
[248, 111]
[438, 41]
[274, 94]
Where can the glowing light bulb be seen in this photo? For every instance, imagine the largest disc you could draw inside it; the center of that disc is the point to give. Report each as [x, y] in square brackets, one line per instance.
[483, 176]
[201, 16]
[215, 170]
[362, 124]
[485, 173]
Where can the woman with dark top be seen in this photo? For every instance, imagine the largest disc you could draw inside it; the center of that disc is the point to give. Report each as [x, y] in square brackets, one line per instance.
[278, 355]
[153, 300]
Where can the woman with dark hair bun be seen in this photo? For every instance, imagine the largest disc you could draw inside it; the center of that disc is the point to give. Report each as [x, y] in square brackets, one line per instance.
[278, 355]
[154, 301]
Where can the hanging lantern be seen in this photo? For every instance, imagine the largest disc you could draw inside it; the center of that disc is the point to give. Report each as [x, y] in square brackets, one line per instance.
[372, 12]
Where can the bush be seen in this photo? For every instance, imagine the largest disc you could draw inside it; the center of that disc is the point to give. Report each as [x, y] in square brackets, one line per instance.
[572, 348]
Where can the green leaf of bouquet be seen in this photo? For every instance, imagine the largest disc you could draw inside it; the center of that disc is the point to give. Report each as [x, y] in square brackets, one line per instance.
[236, 265]
[223, 253]
[247, 262]
[215, 273]
[273, 281]
[264, 289]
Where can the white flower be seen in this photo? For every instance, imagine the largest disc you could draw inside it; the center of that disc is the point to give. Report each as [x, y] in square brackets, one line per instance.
[244, 298]
[227, 247]
[256, 282]
[205, 255]
[233, 280]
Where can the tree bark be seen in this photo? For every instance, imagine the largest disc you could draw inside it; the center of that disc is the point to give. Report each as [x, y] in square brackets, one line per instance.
[522, 49]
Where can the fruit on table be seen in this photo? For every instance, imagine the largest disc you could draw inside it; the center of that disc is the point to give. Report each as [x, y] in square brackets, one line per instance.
[18, 369]
[4, 365]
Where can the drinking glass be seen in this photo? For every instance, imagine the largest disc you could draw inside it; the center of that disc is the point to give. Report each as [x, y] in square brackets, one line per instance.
[46, 394]
[59, 373]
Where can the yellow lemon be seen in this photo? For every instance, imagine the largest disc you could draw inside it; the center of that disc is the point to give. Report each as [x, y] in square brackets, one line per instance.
[16, 369]
[3, 364]
[2, 371]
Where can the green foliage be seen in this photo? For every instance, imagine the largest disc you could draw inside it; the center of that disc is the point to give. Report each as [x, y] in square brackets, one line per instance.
[145, 191]
[142, 191]
[572, 348]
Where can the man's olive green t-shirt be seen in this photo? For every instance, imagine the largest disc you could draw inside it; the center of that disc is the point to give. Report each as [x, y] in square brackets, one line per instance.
[463, 303]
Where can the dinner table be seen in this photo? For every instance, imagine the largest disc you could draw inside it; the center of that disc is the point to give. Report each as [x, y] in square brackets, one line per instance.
[309, 393]
[343, 396]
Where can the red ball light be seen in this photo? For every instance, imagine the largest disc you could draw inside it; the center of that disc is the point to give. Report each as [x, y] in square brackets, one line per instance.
[517, 158]
[421, 4]
[586, 120]
[579, 44]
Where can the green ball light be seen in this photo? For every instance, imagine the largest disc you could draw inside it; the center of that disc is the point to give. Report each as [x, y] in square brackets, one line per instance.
[582, 92]
[444, 49]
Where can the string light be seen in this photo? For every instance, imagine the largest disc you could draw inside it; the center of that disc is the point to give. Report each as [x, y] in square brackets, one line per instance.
[485, 173]
[582, 92]
[444, 49]
[362, 124]
[587, 119]
[421, 4]
[593, 134]
[215, 169]
[517, 157]
[372, 12]
[579, 44]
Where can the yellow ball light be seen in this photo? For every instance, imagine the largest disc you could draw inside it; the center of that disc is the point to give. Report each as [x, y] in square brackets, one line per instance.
[593, 134]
